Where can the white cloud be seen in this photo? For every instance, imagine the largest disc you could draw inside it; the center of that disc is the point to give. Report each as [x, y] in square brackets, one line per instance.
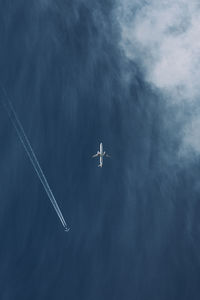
[164, 37]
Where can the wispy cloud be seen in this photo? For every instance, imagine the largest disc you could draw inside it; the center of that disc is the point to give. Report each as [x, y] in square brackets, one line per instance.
[163, 37]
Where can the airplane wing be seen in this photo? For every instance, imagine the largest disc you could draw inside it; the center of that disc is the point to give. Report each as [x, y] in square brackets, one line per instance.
[95, 155]
[107, 155]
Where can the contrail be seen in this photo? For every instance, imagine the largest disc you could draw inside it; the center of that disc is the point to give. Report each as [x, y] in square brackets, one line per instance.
[27, 146]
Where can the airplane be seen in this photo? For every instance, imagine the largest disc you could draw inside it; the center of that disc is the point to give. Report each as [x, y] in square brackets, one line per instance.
[101, 154]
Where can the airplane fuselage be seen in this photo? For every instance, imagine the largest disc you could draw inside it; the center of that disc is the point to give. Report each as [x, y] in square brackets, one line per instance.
[101, 155]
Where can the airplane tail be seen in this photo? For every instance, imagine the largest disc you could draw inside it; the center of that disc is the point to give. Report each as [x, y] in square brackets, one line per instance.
[100, 165]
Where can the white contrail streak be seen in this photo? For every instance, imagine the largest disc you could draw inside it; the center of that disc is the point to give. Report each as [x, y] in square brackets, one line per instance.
[27, 146]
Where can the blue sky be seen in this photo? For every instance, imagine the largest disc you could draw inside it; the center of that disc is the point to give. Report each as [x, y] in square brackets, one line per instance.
[79, 73]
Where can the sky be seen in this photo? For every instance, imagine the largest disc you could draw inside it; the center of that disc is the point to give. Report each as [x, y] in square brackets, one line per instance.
[125, 73]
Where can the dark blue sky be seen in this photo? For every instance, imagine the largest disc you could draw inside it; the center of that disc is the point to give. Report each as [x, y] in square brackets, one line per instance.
[135, 222]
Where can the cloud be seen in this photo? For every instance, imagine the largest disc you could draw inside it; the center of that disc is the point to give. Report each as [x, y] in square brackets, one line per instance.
[163, 38]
